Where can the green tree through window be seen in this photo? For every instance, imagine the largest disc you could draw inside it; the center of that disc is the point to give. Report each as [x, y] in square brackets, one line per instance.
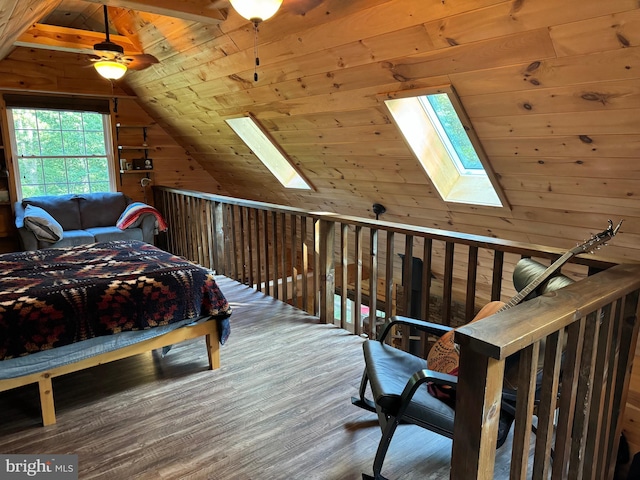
[454, 130]
[61, 152]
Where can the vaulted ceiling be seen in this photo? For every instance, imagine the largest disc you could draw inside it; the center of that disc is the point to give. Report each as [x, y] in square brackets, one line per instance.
[551, 88]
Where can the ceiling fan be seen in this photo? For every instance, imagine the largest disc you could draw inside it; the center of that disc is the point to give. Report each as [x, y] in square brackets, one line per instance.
[110, 60]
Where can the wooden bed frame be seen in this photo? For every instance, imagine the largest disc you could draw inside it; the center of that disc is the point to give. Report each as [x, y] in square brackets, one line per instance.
[208, 328]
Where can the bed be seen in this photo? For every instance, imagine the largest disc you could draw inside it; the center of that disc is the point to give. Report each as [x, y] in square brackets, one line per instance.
[67, 309]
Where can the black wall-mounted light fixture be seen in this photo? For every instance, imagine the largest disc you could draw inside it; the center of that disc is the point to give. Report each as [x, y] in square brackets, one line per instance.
[378, 209]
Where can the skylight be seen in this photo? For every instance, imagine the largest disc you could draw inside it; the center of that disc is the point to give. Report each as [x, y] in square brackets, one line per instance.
[454, 161]
[268, 152]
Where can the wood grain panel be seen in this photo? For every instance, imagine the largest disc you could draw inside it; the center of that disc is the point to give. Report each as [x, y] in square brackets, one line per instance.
[597, 67]
[17, 15]
[579, 145]
[600, 34]
[574, 98]
[600, 167]
[608, 122]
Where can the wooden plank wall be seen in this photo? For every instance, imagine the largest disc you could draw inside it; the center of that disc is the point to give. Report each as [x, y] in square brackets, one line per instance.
[172, 165]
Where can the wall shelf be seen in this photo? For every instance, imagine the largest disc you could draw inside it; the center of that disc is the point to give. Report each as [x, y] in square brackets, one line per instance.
[129, 172]
[135, 147]
[143, 147]
[130, 125]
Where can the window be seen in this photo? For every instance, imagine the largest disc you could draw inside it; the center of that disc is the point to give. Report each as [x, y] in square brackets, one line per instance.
[433, 125]
[60, 152]
[257, 139]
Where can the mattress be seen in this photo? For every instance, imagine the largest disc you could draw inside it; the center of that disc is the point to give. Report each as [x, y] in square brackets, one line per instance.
[61, 305]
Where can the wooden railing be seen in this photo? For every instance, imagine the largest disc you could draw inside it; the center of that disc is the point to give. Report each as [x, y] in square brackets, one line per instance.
[590, 330]
[336, 266]
[305, 257]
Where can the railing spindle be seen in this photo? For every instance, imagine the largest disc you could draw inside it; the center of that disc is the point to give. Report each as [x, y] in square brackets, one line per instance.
[294, 260]
[389, 300]
[472, 273]
[345, 321]
[496, 282]
[265, 242]
[567, 404]
[547, 407]
[304, 256]
[447, 283]
[251, 268]
[357, 283]
[373, 283]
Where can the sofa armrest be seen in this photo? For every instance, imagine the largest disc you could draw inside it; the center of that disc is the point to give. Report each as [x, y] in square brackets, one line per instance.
[143, 216]
[148, 226]
[19, 212]
[27, 239]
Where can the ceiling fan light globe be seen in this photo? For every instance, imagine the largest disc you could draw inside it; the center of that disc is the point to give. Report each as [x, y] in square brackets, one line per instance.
[256, 11]
[110, 70]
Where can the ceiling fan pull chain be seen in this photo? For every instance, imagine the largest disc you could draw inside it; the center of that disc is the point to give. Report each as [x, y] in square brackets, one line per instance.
[255, 51]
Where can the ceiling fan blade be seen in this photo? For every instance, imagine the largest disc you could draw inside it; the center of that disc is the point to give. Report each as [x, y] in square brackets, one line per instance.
[139, 62]
[101, 55]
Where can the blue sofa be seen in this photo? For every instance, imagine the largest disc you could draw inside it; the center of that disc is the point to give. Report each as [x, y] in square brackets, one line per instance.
[77, 219]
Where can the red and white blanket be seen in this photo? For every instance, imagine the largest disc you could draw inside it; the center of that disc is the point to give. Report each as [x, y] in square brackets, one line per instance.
[133, 212]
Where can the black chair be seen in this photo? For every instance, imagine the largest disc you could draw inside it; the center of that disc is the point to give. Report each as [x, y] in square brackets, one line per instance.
[400, 381]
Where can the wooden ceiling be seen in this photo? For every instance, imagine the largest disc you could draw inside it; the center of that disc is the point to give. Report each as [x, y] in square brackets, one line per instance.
[552, 89]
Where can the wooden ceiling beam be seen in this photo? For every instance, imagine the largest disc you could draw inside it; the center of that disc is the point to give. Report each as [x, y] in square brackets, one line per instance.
[51, 37]
[17, 15]
[203, 11]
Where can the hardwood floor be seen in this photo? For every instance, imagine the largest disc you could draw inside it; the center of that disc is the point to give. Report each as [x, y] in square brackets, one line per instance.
[278, 408]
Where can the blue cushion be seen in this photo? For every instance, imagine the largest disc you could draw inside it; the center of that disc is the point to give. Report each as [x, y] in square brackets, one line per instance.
[107, 234]
[72, 238]
[101, 209]
[64, 208]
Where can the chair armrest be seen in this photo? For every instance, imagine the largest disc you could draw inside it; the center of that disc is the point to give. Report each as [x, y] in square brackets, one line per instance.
[432, 328]
[420, 377]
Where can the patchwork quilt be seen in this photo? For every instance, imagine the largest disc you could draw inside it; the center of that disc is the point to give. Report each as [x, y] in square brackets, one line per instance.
[58, 296]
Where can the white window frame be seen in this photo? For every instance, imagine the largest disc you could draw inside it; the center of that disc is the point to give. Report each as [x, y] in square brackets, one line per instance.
[269, 152]
[108, 139]
[427, 140]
